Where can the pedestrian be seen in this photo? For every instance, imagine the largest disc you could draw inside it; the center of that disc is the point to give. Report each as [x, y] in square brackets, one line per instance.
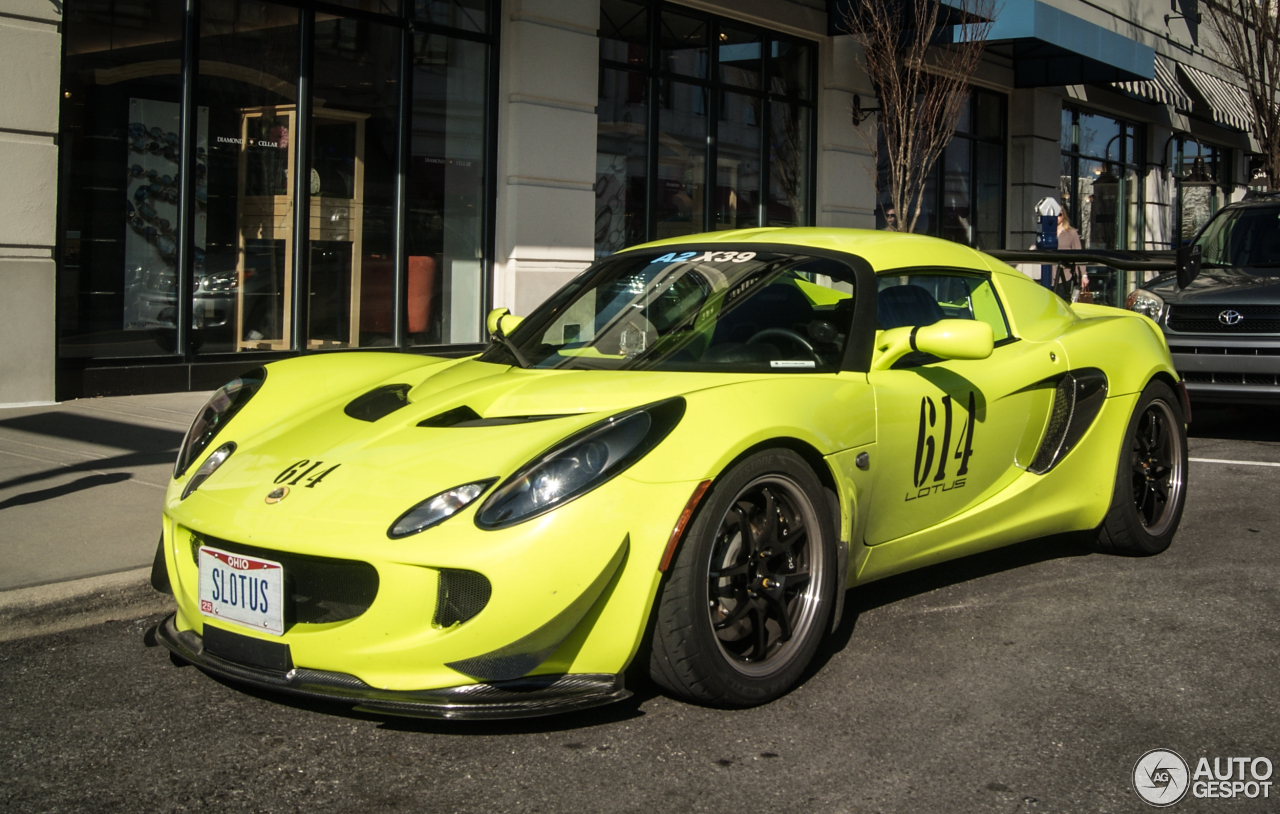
[1075, 280]
[890, 218]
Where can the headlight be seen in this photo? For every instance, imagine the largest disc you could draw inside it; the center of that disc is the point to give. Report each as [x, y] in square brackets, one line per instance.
[1146, 303]
[210, 465]
[217, 411]
[437, 509]
[579, 464]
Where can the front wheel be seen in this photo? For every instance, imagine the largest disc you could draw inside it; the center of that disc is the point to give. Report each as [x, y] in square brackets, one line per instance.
[752, 587]
[1151, 481]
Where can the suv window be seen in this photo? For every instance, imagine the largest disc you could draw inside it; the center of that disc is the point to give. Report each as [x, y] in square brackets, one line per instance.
[1249, 237]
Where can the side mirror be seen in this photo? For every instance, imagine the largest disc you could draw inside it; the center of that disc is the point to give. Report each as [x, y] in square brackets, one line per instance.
[501, 322]
[1188, 264]
[945, 339]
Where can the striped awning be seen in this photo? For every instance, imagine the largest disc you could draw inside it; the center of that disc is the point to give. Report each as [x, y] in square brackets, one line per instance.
[1230, 104]
[1162, 89]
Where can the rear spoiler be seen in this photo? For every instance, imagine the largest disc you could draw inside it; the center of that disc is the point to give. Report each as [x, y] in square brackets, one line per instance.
[1185, 261]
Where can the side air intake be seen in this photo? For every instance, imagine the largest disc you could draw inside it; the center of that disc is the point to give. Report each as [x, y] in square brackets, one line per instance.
[1077, 400]
[460, 595]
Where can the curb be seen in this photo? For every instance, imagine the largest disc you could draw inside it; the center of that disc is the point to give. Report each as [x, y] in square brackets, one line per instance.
[78, 603]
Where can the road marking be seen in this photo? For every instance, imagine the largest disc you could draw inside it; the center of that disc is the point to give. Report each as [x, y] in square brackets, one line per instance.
[1222, 461]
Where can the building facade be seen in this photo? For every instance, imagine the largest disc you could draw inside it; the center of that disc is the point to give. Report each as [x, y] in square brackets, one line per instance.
[197, 186]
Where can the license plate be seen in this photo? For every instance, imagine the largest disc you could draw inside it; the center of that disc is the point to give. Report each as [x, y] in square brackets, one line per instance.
[246, 590]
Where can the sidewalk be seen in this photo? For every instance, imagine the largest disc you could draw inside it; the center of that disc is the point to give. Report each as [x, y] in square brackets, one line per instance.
[81, 485]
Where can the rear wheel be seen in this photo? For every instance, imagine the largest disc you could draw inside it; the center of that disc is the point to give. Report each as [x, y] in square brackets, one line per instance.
[752, 587]
[1151, 481]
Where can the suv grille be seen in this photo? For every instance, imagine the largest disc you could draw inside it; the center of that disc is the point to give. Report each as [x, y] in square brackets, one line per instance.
[1259, 379]
[317, 589]
[1206, 319]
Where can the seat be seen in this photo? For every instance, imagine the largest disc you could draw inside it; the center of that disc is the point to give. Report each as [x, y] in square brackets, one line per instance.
[907, 305]
[779, 305]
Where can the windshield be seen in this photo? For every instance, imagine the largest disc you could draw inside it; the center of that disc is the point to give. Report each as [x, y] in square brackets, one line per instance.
[1247, 237]
[731, 311]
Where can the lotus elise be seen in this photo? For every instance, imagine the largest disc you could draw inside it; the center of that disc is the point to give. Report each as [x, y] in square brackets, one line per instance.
[685, 456]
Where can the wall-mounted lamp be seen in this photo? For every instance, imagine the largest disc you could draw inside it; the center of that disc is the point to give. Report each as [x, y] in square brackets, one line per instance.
[1197, 18]
[860, 113]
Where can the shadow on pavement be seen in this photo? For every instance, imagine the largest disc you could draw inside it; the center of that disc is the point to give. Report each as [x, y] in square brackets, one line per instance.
[65, 489]
[129, 461]
[914, 583]
[1236, 422]
[100, 431]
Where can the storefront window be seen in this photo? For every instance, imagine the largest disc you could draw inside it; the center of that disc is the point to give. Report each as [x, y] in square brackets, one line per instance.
[446, 207]
[247, 83]
[1202, 174]
[1099, 186]
[117, 289]
[682, 155]
[963, 198]
[789, 139]
[622, 146]
[702, 123]
[261, 277]
[355, 101]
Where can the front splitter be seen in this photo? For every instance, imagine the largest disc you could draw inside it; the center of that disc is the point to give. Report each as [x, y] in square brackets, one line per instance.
[526, 697]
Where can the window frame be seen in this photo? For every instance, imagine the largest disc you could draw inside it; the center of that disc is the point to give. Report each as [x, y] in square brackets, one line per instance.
[950, 271]
[655, 76]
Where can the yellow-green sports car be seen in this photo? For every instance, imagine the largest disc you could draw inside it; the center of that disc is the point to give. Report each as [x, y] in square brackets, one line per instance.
[685, 455]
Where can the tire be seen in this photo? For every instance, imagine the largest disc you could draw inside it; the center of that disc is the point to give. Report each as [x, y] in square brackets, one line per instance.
[737, 630]
[1151, 479]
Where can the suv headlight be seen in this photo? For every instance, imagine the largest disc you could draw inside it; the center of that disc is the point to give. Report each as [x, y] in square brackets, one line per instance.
[579, 464]
[217, 411]
[1147, 303]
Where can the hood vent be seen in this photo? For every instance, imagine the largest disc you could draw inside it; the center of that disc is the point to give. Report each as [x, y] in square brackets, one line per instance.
[379, 402]
[466, 417]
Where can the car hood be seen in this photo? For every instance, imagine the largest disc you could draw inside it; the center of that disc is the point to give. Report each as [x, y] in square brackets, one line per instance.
[384, 467]
[1222, 287]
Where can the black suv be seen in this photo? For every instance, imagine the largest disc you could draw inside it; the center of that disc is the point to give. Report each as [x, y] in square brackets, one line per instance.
[1224, 328]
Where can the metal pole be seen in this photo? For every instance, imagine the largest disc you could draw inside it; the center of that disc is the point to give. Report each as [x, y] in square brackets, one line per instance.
[400, 277]
[302, 185]
[188, 127]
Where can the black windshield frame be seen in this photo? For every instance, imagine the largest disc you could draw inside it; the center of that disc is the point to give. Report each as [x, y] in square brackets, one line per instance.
[858, 348]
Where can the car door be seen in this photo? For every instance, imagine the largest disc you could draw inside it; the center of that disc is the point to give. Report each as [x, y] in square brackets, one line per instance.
[950, 433]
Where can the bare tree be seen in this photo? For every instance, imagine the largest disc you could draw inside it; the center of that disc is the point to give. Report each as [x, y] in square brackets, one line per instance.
[919, 55]
[1249, 44]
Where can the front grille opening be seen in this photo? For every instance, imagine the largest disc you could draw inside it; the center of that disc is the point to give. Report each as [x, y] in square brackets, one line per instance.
[318, 590]
[460, 595]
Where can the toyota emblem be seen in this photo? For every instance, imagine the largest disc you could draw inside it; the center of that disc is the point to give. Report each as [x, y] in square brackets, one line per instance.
[1230, 317]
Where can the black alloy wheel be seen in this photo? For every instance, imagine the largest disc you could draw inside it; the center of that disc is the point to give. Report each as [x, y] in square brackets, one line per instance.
[750, 593]
[1151, 482]
[763, 597]
[1158, 478]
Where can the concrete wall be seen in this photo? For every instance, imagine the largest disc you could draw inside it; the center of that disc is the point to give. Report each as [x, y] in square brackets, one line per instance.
[30, 63]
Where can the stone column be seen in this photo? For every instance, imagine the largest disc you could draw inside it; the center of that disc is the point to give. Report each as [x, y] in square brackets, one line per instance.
[1035, 159]
[846, 164]
[546, 148]
[30, 62]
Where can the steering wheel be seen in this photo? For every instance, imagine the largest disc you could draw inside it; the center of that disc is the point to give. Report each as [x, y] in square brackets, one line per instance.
[786, 333]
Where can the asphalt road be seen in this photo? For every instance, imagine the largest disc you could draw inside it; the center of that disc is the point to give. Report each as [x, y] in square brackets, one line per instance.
[1029, 679]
